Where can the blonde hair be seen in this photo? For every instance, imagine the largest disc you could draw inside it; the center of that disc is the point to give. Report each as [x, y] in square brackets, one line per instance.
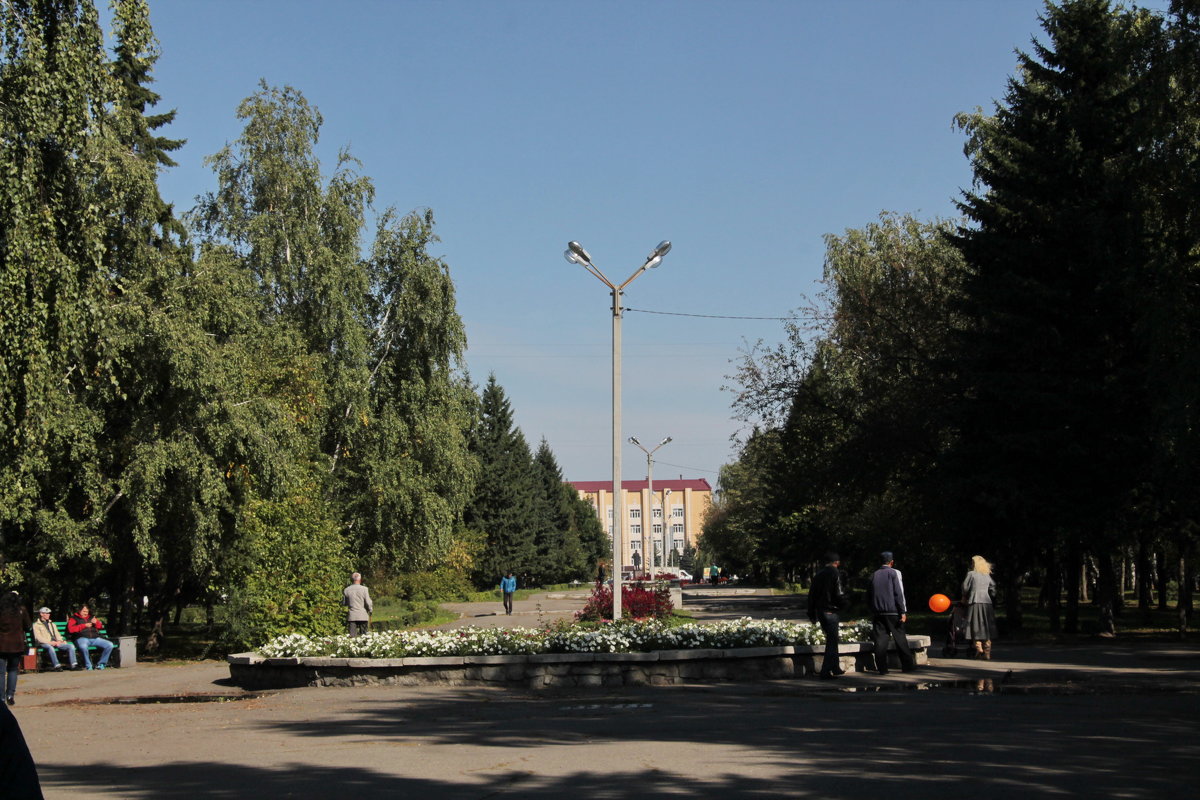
[980, 564]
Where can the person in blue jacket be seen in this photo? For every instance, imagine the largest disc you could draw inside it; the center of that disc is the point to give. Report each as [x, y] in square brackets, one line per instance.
[885, 598]
[508, 585]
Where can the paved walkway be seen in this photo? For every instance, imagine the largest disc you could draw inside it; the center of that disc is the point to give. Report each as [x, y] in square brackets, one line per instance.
[1106, 719]
[706, 603]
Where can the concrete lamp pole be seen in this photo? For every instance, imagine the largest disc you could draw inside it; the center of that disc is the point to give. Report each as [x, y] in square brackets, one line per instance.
[633, 440]
[575, 254]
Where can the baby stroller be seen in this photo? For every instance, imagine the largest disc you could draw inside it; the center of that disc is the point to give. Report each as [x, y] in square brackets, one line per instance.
[956, 633]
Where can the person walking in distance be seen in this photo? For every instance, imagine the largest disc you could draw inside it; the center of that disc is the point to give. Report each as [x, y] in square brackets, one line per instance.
[508, 585]
[825, 598]
[357, 600]
[885, 598]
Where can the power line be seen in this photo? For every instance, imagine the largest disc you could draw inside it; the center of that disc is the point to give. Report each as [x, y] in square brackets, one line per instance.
[681, 466]
[704, 316]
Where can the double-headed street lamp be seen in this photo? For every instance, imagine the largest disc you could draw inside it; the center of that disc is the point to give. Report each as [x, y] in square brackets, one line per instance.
[577, 255]
[650, 486]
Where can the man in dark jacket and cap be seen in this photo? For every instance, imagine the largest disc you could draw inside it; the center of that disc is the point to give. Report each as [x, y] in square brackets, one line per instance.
[825, 599]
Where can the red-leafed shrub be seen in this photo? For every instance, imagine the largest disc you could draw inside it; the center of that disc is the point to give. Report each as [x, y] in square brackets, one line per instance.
[638, 601]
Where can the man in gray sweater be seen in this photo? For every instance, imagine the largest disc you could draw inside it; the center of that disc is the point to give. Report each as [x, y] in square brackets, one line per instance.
[885, 598]
[357, 600]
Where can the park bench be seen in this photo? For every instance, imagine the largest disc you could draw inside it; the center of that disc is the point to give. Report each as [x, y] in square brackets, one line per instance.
[42, 657]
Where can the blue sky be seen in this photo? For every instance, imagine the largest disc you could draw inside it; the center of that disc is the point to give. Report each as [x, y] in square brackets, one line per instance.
[741, 131]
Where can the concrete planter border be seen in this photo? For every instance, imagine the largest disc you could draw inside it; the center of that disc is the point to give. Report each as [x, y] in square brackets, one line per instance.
[546, 670]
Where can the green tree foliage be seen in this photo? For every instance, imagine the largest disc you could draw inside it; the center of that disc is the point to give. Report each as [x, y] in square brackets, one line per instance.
[180, 417]
[295, 566]
[563, 552]
[1068, 250]
[299, 235]
[58, 150]
[850, 406]
[1024, 386]
[409, 473]
[507, 506]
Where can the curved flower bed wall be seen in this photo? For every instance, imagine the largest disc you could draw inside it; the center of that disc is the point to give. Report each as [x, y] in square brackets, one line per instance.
[624, 636]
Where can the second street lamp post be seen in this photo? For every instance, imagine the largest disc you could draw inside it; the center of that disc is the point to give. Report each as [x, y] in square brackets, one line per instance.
[577, 255]
[650, 490]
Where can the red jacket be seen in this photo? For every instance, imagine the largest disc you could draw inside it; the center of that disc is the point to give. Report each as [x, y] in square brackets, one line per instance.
[77, 626]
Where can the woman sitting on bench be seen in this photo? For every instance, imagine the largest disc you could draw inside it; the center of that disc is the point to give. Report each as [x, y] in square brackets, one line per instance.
[87, 631]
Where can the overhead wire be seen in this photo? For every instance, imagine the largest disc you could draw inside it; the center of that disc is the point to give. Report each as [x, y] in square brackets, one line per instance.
[704, 316]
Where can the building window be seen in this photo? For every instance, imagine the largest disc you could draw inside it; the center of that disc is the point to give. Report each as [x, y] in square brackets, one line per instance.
[610, 515]
[636, 544]
[677, 530]
[635, 530]
[657, 513]
[657, 529]
[635, 512]
[677, 512]
[677, 545]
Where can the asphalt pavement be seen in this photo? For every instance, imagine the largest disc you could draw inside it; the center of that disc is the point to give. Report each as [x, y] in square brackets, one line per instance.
[1113, 718]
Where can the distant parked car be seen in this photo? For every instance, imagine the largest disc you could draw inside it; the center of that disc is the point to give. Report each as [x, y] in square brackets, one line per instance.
[685, 576]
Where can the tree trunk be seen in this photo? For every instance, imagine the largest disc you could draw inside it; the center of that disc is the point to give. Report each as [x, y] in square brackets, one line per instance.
[1143, 573]
[1073, 570]
[1161, 560]
[128, 600]
[1106, 592]
[1052, 589]
[1187, 581]
[1184, 603]
[1012, 600]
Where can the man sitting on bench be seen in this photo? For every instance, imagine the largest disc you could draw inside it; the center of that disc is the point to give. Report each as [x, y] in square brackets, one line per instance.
[46, 635]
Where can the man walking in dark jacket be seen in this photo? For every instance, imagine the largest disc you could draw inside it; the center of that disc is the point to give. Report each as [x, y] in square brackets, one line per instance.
[825, 598]
[885, 598]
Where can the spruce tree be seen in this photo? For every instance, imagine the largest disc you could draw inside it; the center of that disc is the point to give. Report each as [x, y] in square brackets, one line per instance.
[506, 507]
[561, 551]
[1053, 414]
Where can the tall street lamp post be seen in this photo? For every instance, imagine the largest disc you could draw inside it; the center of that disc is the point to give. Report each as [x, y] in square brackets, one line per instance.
[577, 255]
[650, 489]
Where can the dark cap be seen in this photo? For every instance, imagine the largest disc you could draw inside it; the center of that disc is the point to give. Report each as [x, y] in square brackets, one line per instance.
[886, 555]
[831, 557]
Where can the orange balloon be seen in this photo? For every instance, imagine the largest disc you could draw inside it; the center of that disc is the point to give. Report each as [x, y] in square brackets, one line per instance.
[939, 603]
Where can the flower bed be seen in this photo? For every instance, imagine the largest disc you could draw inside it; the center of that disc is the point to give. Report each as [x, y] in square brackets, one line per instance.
[624, 636]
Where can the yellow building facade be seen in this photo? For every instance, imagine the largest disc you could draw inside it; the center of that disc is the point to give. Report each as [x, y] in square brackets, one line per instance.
[669, 520]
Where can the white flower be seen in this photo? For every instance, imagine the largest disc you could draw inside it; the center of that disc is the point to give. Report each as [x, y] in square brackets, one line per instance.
[624, 636]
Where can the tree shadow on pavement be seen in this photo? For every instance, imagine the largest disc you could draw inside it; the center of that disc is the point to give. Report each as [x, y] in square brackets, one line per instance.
[215, 781]
[774, 741]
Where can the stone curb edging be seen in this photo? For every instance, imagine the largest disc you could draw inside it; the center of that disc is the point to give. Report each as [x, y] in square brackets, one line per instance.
[542, 670]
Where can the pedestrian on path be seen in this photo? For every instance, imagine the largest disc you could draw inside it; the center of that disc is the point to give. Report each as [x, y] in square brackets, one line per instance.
[885, 598]
[825, 598]
[14, 621]
[357, 600]
[979, 596]
[508, 585]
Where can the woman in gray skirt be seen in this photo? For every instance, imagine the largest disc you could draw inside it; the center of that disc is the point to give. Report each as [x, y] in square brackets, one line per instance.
[979, 596]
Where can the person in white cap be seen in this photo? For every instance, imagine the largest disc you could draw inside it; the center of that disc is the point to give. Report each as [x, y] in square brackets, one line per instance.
[46, 634]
